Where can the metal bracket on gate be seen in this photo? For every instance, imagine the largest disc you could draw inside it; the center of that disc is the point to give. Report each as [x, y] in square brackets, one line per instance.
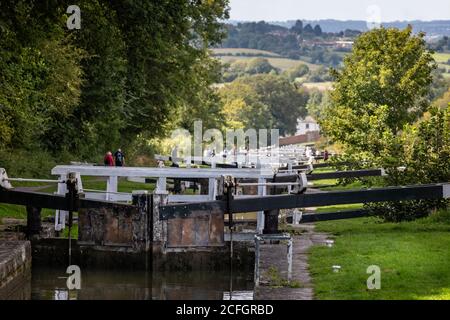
[229, 185]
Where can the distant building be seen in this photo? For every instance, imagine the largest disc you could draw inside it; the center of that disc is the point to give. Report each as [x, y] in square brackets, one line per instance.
[308, 139]
[342, 44]
[336, 44]
[307, 125]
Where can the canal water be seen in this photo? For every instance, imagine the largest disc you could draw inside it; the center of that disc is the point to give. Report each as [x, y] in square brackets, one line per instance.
[50, 284]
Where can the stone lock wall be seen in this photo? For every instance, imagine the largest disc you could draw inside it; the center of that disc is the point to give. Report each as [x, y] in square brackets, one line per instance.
[15, 270]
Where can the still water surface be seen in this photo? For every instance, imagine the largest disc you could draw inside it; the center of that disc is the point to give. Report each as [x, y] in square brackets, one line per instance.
[50, 284]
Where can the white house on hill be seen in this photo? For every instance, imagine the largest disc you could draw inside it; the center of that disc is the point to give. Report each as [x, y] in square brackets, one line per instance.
[307, 125]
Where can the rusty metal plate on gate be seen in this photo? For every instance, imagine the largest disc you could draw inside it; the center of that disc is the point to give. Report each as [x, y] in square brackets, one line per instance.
[107, 226]
[201, 229]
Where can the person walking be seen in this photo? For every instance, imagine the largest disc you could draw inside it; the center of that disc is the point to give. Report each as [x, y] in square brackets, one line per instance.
[119, 158]
[108, 160]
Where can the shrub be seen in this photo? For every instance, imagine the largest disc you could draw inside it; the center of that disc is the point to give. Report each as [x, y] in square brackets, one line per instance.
[425, 152]
[27, 164]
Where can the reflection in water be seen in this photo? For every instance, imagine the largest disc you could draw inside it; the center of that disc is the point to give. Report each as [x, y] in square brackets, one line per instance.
[50, 284]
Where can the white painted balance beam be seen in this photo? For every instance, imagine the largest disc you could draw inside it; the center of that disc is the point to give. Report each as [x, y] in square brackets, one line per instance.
[112, 173]
[217, 173]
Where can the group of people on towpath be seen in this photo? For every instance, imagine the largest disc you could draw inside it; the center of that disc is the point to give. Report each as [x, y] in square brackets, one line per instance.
[116, 160]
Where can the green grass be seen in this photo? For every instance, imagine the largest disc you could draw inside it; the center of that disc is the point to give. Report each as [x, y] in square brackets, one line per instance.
[321, 86]
[277, 281]
[235, 51]
[339, 208]
[124, 185]
[414, 258]
[441, 57]
[342, 187]
[19, 212]
[73, 232]
[281, 63]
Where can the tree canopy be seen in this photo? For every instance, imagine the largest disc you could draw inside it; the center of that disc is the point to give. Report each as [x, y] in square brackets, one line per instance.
[264, 101]
[381, 113]
[134, 68]
[389, 69]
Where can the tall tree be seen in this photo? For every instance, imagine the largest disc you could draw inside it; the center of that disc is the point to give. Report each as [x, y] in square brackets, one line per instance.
[130, 70]
[389, 69]
[318, 30]
[298, 27]
[273, 102]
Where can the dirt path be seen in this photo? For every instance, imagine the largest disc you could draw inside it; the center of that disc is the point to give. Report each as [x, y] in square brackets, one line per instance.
[274, 257]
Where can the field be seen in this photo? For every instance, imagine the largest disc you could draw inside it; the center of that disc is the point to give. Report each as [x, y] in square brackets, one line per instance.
[442, 58]
[413, 257]
[236, 51]
[321, 86]
[230, 55]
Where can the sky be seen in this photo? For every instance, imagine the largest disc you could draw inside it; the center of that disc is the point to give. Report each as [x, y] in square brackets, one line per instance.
[387, 10]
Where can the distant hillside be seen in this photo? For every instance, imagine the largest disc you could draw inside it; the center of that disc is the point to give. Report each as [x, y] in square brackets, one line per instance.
[241, 54]
[298, 42]
[432, 28]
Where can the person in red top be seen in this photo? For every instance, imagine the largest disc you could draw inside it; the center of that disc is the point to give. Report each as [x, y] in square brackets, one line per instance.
[326, 155]
[109, 160]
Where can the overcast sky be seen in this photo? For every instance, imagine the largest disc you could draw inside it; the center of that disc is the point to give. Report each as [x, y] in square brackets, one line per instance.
[390, 10]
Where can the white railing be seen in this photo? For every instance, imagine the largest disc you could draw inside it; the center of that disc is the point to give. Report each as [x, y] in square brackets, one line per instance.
[161, 174]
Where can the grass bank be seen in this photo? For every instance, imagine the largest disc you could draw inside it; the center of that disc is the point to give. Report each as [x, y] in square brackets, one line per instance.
[414, 259]
[94, 183]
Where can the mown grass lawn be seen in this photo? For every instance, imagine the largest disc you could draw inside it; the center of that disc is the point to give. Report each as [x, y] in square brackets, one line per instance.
[414, 258]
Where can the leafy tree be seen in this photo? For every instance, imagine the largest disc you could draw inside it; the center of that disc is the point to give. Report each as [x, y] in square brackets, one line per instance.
[321, 74]
[100, 113]
[374, 112]
[166, 54]
[40, 75]
[308, 30]
[135, 69]
[439, 85]
[443, 101]
[317, 30]
[273, 100]
[298, 27]
[242, 107]
[388, 68]
[234, 110]
[297, 72]
[317, 102]
[424, 150]
[259, 66]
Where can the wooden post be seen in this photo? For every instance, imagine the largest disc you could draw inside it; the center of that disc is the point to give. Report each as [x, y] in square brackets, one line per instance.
[144, 202]
[257, 258]
[159, 227]
[271, 216]
[33, 222]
